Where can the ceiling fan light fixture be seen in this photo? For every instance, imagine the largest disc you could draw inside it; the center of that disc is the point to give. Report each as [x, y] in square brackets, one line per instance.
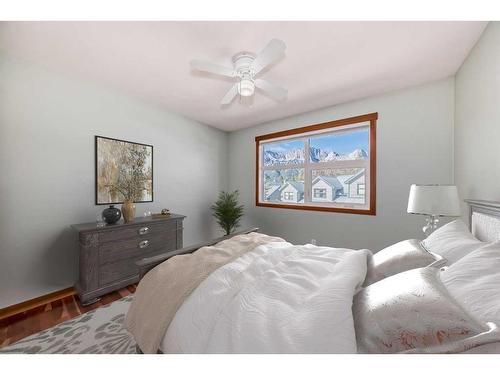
[246, 87]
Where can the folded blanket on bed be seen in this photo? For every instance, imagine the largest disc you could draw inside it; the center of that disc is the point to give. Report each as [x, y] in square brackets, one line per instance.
[163, 290]
[278, 298]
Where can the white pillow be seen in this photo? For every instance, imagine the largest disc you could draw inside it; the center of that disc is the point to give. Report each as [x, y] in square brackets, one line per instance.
[413, 312]
[402, 256]
[452, 241]
[474, 281]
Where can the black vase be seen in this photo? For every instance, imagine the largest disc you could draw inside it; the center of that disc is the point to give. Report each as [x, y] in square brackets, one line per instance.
[111, 214]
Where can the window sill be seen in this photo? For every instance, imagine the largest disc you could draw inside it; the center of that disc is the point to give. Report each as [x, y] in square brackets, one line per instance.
[356, 211]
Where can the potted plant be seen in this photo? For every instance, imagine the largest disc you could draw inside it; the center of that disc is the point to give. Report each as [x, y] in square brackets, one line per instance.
[227, 211]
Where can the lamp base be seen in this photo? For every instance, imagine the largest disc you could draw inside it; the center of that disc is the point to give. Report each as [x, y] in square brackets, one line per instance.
[431, 225]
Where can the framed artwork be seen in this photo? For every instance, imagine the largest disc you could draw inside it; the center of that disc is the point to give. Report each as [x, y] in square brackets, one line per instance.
[122, 169]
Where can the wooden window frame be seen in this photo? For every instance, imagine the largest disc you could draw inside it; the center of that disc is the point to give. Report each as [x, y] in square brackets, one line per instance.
[370, 118]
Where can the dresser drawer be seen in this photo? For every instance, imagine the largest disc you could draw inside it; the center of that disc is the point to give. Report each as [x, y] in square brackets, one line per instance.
[139, 246]
[149, 228]
[112, 272]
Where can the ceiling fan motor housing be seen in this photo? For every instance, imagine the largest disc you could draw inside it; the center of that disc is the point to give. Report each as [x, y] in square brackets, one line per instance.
[242, 61]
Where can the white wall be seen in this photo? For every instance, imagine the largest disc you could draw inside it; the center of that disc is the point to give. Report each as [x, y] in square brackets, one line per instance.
[47, 128]
[477, 120]
[414, 145]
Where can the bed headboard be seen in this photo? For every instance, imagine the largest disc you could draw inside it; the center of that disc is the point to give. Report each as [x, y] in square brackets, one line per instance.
[484, 219]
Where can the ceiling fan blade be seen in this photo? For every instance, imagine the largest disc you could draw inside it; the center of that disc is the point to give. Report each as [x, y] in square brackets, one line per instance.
[277, 92]
[230, 95]
[271, 53]
[205, 66]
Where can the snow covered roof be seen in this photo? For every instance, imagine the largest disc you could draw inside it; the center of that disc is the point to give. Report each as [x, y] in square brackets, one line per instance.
[354, 177]
[297, 185]
[330, 180]
[340, 181]
[271, 189]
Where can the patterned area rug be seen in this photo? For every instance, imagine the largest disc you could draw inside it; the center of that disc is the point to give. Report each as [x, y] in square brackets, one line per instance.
[99, 331]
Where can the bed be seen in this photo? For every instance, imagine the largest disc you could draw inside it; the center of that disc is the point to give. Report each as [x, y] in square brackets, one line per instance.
[253, 293]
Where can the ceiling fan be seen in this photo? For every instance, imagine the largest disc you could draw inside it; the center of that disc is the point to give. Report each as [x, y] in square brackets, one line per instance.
[246, 67]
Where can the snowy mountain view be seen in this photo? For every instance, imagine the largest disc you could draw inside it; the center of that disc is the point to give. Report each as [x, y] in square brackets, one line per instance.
[317, 155]
[330, 147]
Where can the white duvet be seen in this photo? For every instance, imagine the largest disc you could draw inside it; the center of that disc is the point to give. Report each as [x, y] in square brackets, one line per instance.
[277, 298]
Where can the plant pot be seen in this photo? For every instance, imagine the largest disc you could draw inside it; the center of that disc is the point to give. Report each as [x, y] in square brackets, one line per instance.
[128, 210]
[111, 214]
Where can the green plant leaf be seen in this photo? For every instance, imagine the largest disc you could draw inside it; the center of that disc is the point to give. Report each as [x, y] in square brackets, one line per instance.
[227, 211]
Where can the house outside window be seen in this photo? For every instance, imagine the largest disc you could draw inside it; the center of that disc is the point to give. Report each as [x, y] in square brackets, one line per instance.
[320, 193]
[361, 189]
[325, 167]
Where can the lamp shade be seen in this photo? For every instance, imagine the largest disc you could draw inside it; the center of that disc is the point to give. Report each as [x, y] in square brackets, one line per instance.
[438, 200]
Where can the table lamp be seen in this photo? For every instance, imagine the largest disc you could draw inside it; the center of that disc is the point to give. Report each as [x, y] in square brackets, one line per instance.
[433, 201]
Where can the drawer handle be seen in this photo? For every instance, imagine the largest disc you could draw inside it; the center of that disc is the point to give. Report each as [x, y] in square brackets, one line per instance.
[144, 244]
[143, 230]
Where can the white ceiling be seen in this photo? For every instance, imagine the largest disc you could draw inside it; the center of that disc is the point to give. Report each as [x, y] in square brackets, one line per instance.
[326, 63]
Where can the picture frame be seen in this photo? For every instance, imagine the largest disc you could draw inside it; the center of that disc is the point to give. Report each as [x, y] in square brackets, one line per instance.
[111, 156]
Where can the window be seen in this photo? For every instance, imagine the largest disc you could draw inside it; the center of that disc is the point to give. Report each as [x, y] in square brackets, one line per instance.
[320, 193]
[324, 167]
[361, 189]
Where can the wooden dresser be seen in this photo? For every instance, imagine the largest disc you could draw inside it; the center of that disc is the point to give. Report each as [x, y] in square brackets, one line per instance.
[107, 255]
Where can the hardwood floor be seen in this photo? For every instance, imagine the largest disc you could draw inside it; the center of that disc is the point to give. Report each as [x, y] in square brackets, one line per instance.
[26, 323]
